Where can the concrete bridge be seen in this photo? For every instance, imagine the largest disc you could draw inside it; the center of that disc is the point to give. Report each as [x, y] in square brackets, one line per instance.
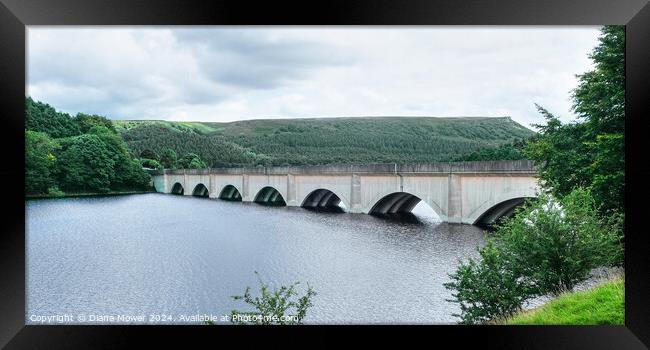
[464, 192]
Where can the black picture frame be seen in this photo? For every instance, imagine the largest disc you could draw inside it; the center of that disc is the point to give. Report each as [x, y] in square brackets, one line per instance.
[15, 15]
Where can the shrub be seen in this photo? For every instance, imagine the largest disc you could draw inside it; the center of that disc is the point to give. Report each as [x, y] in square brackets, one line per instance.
[150, 163]
[545, 248]
[273, 307]
[555, 244]
[487, 289]
[54, 191]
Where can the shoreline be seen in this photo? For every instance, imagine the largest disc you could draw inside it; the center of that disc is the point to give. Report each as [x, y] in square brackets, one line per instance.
[87, 194]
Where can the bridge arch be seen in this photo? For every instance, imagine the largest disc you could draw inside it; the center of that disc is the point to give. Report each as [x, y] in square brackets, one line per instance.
[200, 190]
[503, 205]
[504, 209]
[269, 196]
[177, 188]
[396, 202]
[322, 199]
[230, 193]
[380, 201]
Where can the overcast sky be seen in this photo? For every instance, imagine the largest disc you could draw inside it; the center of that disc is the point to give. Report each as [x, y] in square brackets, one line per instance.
[233, 73]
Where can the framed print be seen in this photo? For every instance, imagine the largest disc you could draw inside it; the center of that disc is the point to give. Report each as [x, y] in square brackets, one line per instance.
[465, 170]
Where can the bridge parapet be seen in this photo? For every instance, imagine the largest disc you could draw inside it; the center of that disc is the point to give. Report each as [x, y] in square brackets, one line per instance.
[478, 167]
[464, 192]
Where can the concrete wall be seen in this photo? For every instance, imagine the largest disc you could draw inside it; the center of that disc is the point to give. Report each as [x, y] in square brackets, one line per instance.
[457, 192]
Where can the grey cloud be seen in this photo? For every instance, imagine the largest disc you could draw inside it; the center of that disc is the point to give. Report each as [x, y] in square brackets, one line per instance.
[254, 59]
[232, 73]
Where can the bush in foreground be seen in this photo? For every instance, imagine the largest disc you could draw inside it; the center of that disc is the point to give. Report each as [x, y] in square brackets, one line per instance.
[545, 248]
[277, 306]
[487, 288]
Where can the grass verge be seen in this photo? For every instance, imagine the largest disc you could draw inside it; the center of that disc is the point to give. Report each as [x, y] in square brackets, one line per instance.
[604, 304]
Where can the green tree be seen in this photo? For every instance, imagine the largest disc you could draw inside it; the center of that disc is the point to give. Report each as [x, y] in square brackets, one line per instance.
[85, 122]
[590, 152]
[149, 154]
[44, 118]
[150, 163]
[196, 163]
[126, 173]
[168, 158]
[599, 98]
[487, 288]
[561, 154]
[134, 177]
[191, 161]
[40, 162]
[85, 164]
[48, 166]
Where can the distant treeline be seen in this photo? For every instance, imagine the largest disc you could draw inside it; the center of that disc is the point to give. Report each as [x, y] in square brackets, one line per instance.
[80, 154]
[326, 141]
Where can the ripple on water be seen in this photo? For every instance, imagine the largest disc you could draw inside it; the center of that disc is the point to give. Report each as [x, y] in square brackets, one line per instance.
[153, 254]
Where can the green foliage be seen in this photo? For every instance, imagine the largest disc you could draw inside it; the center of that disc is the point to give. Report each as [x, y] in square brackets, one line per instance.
[168, 158]
[85, 164]
[553, 245]
[547, 247]
[86, 155]
[87, 122]
[507, 151]
[54, 191]
[488, 288]
[560, 154]
[149, 154]
[40, 162]
[326, 140]
[277, 306]
[196, 163]
[590, 152]
[604, 304]
[191, 161]
[42, 117]
[600, 96]
[132, 177]
[150, 163]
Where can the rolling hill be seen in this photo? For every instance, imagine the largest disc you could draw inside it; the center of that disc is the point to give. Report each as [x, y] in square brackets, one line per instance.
[312, 141]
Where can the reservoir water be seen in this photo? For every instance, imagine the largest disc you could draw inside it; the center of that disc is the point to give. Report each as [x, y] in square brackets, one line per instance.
[162, 256]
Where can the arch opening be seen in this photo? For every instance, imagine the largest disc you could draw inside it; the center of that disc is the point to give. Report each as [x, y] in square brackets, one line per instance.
[323, 200]
[177, 189]
[404, 206]
[499, 212]
[230, 193]
[269, 196]
[200, 191]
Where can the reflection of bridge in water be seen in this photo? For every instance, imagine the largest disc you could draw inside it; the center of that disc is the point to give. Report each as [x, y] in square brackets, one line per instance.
[464, 192]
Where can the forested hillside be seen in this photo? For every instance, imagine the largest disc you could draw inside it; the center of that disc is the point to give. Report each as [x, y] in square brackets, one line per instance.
[80, 154]
[329, 140]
